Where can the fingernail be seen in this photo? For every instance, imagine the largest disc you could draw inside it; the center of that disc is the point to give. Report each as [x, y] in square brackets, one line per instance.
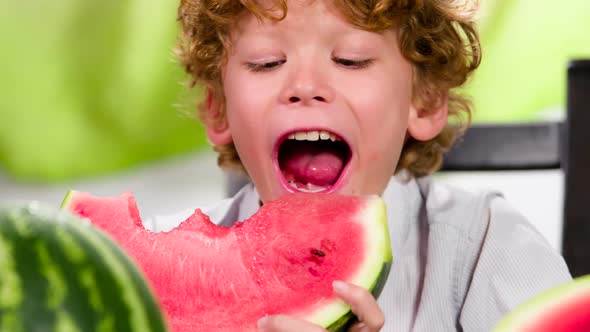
[262, 322]
[339, 286]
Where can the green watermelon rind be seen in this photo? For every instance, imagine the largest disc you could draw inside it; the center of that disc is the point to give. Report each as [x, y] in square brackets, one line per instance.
[534, 309]
[44, 222]
[336, 316]
[66, 201]
[347, 320]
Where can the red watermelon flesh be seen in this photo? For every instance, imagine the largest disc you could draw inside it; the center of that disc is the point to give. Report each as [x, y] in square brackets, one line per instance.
[281, 260]
[565, 308]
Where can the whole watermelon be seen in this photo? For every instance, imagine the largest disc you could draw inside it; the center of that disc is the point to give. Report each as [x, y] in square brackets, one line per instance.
[58, 273]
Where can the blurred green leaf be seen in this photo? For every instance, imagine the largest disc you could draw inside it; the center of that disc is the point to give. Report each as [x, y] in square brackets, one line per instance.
[89, 87]
[526, 47]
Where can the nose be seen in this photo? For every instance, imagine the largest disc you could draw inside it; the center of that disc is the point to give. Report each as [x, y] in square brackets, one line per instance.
[307, 85]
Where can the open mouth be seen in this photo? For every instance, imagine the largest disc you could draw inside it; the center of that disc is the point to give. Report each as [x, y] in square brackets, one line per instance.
[312, 160]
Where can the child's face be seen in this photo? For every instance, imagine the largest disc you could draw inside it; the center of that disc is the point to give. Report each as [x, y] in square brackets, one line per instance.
[315, 73]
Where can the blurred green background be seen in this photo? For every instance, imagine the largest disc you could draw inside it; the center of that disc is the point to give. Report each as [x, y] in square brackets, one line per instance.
[89, 87]
[526, 47]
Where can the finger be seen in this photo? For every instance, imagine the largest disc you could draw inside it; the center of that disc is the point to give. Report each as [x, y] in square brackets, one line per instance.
[359, 327]
[362, 304]
[282, 323]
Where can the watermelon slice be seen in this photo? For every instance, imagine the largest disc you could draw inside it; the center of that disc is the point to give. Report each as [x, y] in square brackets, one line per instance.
[281, 260]
[562, 309]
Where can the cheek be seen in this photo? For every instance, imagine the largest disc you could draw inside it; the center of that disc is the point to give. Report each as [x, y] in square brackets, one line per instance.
[385, 124]
[383, 98]
[375, 157]
[243, 103]
[246, 103]
[385, 119]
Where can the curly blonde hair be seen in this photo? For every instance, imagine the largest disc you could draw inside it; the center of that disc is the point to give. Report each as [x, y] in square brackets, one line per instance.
[437, 36]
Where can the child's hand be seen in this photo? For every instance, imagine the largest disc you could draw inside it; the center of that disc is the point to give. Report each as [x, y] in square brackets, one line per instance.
[363, 305]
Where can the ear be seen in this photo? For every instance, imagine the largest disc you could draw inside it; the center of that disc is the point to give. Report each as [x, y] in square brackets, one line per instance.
[426, 123]
[217, 127]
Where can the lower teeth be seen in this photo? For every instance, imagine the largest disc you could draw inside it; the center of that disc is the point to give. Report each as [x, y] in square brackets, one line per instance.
[308, 187]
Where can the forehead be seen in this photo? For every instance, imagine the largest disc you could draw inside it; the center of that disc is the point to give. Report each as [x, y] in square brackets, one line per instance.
[301, 16]
[266, 25]
[279, 10]
[370, 15]
[278, 16]
[275, 7]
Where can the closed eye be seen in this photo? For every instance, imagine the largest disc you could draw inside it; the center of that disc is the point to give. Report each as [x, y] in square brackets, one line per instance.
[354, 64]
[262, 67]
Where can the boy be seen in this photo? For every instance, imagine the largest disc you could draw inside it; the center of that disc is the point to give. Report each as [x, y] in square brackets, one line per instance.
[338, 96]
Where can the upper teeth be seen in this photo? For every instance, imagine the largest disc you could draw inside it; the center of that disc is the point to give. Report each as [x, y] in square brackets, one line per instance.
[313, 135]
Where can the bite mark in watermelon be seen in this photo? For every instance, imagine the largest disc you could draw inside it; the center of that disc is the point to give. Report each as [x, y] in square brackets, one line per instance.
[281, 260]
[565, 308]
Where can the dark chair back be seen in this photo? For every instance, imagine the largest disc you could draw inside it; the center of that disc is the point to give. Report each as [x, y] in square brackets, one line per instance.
[576, 164]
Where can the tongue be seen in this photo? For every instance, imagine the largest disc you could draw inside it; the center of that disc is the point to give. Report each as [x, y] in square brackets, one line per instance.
[319, 168]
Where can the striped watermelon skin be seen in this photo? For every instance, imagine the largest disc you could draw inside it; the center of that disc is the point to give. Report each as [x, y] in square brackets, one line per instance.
[59, 273]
